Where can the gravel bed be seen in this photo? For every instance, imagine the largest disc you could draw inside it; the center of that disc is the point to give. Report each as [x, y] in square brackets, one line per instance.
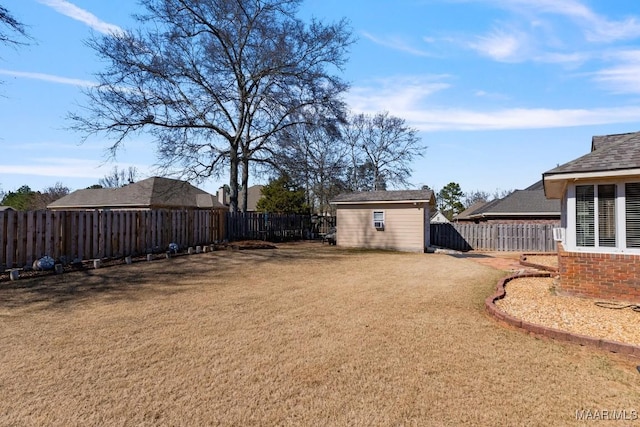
[545, 260]
[533, 300]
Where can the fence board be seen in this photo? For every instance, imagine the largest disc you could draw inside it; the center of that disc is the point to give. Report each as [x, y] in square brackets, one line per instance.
[21, 248]
[3, 239]
[26, 236]
[11, 233]
[495, 237]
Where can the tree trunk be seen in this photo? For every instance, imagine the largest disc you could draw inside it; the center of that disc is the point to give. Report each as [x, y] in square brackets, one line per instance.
[233, 180]
[245, 183]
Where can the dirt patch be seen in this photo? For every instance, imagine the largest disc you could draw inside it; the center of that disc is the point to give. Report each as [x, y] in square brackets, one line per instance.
[248, 244]
[300, 335]
[505, 261]
[547, 262]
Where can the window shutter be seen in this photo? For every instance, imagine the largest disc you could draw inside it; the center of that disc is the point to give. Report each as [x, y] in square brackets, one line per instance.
[632, 207]
[607, 215]
[585, 216]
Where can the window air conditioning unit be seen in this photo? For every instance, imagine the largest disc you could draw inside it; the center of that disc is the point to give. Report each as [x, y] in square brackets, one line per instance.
[378, 224]
[558, 234]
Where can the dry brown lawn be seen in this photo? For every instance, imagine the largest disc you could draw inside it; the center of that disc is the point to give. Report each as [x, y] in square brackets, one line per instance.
[300, 335]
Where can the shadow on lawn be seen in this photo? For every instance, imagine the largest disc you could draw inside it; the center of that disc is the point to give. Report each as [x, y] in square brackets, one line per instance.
[69, 289]
[143, 280]
[470, 255]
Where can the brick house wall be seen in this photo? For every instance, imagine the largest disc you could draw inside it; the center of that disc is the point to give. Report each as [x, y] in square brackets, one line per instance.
[598, 275]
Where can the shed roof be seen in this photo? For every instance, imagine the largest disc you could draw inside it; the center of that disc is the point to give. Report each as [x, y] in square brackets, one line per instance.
[155, 192]
[384, 196]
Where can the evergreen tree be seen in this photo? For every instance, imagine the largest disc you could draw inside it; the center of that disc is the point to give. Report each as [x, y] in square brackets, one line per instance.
[450, 200]
[281, 195]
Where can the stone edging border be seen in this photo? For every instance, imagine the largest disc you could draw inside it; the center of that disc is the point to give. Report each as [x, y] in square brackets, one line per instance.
[556, 334]
[523, 261]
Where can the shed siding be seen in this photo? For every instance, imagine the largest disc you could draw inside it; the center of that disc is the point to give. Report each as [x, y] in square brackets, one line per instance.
[404, 227]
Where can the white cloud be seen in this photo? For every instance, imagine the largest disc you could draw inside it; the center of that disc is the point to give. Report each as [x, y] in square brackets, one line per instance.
[571, 59]
[405, 98]
[491, 95]
[48, 78]
[499, 45]
[596, 27]
[623, 77]
[396, 43]
[74, 12]
[565, 32]
[62, 167]
[517, 118]
[394, 93]
[56, 167]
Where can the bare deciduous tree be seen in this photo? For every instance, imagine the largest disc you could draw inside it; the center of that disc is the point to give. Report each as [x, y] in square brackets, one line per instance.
[214, 81]
[472, 197]
[314, 156]
[119, 177]
[382, 148]
[10, 25]
[49, 195]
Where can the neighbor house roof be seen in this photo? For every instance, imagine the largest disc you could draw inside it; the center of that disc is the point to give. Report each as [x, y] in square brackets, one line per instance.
[466, 214]
[521, 203]
[6, 208]
[155, 192]
[438, 217]
[397, 196]
[530, 202]
[611, 155]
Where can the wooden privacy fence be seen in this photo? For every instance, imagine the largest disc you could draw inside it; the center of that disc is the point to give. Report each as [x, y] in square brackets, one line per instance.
[266, 226]
[27, 236]
[495, 237]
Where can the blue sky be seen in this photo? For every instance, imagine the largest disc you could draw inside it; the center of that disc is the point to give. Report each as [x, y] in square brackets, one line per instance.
[501, 90]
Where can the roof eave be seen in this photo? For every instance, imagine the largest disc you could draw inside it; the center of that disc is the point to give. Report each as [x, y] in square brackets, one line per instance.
[556, 183]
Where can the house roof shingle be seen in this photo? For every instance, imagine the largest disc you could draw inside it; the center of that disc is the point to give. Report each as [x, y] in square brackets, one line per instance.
[609, 152]
[154, 192]
[467, 213]
[384, 196]
[529, 202]
[521, 202]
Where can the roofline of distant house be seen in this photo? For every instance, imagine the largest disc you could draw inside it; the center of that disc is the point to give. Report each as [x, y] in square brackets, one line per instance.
[485, 215]
[130, 206]
[99, 205]
[372, 202]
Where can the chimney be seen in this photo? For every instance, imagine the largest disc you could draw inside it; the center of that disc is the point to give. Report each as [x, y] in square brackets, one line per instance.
[223, 196]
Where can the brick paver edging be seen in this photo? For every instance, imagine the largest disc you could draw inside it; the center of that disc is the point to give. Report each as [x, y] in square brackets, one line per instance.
[612, 346]
[523, 261]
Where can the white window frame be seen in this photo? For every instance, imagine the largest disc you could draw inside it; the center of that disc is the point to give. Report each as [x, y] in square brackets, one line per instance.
[569, 211]
[378, 223]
